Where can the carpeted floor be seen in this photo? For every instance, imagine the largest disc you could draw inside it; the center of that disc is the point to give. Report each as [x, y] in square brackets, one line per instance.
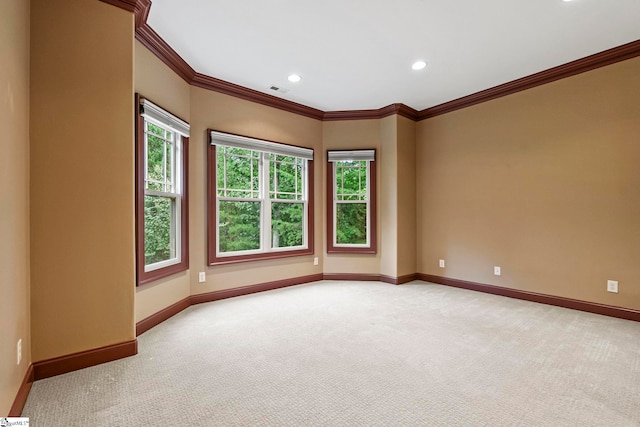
[361, 354]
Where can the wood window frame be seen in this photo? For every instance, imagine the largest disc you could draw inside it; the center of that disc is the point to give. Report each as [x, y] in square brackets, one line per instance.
[212, 219]
[142, 276]
[372, 248]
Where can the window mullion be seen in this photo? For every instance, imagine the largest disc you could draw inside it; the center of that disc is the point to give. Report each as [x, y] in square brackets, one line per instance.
[265, 223]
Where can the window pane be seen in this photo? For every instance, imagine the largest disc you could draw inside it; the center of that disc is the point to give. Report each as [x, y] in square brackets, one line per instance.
[351, 223]
[286, 224]
[239, 226]
[238, 171]
[158, 224]
[155, 163]
[351, 180]
[285, 177]
[169, 166]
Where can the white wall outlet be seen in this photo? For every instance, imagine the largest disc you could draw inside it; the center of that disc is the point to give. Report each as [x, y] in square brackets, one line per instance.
[441, 263]
[202, 277]
[497, 271]
[315, 261]
[19, 351]
[612, 286]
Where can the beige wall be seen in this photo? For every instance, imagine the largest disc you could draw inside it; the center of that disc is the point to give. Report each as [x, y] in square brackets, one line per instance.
[155, 81]
[387, 156]
[406, 198]
[228, 114]
[543, 183]
[348, 135]
[82, 182]
[14, 197]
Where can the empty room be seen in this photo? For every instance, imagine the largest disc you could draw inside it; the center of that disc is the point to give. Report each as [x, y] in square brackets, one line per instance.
[338, 213]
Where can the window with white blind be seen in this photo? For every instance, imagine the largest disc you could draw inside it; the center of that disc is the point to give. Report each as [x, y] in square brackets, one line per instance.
[351, 201]
[260, 199]
[161, 192]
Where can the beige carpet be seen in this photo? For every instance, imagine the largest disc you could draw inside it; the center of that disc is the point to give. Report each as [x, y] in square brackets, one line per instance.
[361, 354]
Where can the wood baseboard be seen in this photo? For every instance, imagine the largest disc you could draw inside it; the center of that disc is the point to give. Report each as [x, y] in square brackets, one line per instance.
[352, 276]
[370, 277]
[84, 359]
[591, 307]
[155, 319]
[251, 289]
[23, 393]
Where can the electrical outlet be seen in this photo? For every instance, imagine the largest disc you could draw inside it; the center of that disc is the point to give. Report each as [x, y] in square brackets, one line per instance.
[19, 350]
[497, 271]
[202, 277]
[612, 286]
[315, 261]
[441, 263]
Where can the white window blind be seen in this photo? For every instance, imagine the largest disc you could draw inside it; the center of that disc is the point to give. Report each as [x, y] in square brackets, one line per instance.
[220, 138]
[338, 156]
[153, 112]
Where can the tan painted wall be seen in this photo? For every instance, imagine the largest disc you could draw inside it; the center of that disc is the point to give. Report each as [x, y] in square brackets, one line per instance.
[82, 157]
[14, 197]
[227, 114]
[543, 183]
[347, 135]
[388, 201]
[406, 199]
[156, 81]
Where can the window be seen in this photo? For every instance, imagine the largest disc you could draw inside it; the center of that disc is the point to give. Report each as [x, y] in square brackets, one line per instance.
[161, 192]
[351, 202]
[260, 199]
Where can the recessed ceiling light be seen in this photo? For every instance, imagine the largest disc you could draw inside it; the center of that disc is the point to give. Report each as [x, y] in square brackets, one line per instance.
[294, 78]
[419, 65]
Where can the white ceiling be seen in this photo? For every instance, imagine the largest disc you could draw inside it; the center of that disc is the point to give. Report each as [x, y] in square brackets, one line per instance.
[357, 54]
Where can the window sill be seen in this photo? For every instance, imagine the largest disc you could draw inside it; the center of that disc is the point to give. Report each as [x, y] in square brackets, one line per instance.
[258, 257]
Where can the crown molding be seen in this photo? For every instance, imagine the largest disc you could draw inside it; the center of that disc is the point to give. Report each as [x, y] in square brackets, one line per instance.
[222, 86]
[389, 110]
[152, 41]
[141, 11]
[607, 57]
[129, 5]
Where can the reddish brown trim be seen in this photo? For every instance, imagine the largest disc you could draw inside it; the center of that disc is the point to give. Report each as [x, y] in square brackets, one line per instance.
[361, 277]
[128, 5]
[23, 393]
[84, 359]
[251, 289]
[152, 41]
[370, 277]
[161, 49]
[406, 278]
[141, 12]
[591, 307]
[155, 319]
[232, 89]
[212, 220]
[380, 113]
[373, 226]
[607, 57]
[143, 277]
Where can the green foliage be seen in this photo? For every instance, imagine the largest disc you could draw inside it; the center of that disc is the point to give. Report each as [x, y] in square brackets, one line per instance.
[239, 220]
[286, 224]
[157, 229]
[239, 226]
[351, 223]
[351, 218]
[158, 211]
